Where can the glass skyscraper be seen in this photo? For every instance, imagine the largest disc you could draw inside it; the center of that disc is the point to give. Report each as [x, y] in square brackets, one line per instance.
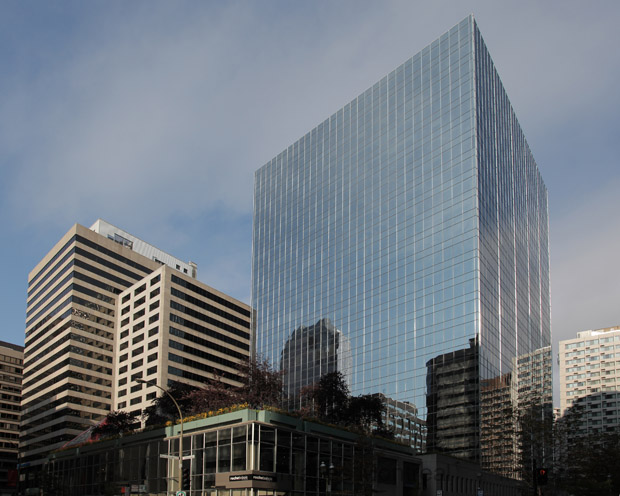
[414, 221]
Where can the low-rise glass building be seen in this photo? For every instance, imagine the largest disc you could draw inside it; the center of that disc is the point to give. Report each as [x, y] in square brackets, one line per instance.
[242, 453]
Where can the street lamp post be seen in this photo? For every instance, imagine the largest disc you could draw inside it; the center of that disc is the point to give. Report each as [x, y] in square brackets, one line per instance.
[142, 381]
[329, 474]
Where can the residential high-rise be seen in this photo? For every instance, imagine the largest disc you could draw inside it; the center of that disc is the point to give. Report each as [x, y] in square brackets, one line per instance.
[104, 309]
[589, 415]
[589, 367]
[11, 367]
[415, 220]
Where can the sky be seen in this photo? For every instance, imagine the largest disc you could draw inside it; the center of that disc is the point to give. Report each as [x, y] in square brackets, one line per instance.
[154, 115]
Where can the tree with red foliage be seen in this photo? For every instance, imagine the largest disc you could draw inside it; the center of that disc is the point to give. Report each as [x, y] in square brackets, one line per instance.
[261, 386]
[115, 423]
[213, 396]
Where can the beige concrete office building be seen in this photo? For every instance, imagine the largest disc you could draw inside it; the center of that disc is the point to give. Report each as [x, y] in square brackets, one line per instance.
[590, 377]
[174, 328]
[11, 366]
[75, 325]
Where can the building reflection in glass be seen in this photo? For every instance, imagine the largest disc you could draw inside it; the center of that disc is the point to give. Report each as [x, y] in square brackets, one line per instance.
[502, 422]
[402, 419]
[534, 387]
[498, 417]
[309, 353]
[452, 403]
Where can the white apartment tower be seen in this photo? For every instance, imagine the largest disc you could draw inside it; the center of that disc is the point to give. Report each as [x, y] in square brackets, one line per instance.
[590, 378]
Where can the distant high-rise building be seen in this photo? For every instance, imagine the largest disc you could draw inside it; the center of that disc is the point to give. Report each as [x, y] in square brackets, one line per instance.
[589, 367]
[11, 367]
[105, 308]
[415, 221]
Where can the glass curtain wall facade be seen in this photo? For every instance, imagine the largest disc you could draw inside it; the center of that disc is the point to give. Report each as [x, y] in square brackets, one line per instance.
[415, 220]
